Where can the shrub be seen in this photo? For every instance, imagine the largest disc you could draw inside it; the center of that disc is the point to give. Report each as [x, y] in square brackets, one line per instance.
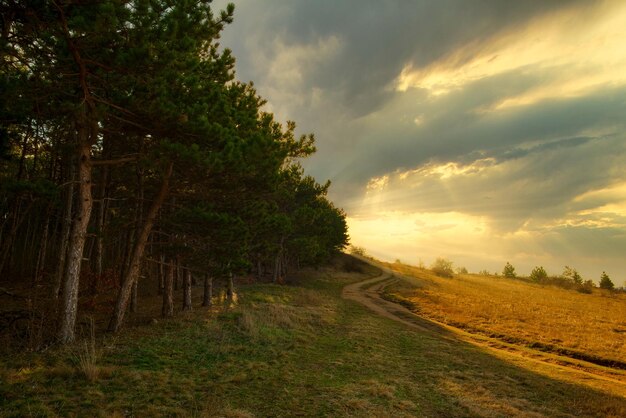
[538, 274]
[605, 282]
[357, 250]
[442, 267]
[559, 281]
[573, 275]
[509, 271]
[461, 270]
[586, 287]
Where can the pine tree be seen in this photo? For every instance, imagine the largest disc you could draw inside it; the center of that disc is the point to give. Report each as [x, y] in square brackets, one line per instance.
[605, 282]
[538, 274]
[509, 271]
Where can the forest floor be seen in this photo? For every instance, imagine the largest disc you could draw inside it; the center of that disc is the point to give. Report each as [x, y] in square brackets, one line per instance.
[296, 350]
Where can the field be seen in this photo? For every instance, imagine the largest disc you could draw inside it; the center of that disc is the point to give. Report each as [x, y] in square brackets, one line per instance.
[291, 350]
[518, 311]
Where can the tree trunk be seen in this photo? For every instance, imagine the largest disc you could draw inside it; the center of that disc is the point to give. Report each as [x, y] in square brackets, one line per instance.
[277, 269]
[230, 288]
[132, 272]
[87, 133]
[208, 291]
[66, 229]
[29, 243]
[138, 223]
[187, 306]
[19, 215]
[259, 269]
[100, 222]
[161, 274]
[41, 258]
[126, 254]
[133, 296]
[177, 277]
[168, 292]
[78, 234]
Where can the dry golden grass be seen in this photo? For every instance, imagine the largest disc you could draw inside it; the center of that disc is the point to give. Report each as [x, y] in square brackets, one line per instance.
[312, 354]
[593, 324]
[88, 356]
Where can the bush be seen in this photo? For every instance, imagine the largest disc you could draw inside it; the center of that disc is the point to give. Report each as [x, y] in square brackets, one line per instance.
[586, 287]
[605, 282]
[572, 275]
[509, 271]
[442, 267]
[559, 281]
[461, 270]
[538, 274]
[357, 250]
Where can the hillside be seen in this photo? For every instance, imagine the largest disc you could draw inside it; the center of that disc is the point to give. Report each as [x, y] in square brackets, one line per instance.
[293, 350]
[588, 326]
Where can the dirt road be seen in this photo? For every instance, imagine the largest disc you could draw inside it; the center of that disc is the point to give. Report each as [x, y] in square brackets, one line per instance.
[368, 293]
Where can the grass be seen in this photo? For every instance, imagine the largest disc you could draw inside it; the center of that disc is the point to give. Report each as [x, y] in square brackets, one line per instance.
[297, 350]
[88, 356]
[546, 317]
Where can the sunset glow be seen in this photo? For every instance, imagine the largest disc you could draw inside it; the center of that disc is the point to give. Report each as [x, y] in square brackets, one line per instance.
[484, 135]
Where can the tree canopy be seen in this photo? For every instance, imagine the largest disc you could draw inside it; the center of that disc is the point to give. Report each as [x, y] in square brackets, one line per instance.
[125, 138]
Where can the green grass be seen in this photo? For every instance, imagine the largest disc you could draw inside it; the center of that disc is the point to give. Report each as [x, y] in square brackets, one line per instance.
[296, 350]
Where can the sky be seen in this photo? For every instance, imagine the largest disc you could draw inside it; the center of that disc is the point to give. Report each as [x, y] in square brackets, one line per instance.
[482, 131]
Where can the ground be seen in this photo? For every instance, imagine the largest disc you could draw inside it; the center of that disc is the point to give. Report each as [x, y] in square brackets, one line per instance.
[293, 350]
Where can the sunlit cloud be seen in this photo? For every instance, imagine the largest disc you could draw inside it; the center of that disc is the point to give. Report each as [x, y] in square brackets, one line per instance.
[484, 131]
[585, 44]
[501, 211]
[377, 183]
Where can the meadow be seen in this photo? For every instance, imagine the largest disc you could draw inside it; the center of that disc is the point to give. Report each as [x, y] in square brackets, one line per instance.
[519, 311]
[291, 350]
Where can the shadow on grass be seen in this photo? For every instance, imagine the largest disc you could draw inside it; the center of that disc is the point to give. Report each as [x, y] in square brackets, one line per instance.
[294, 351]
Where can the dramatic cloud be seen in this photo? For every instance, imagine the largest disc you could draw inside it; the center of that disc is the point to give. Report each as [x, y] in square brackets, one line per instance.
[484, 131]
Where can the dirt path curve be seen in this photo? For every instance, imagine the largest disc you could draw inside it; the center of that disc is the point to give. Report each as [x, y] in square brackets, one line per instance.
[368, 293]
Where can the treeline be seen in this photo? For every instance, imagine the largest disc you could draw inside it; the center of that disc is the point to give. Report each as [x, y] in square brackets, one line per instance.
[129, 149]
[569, 279]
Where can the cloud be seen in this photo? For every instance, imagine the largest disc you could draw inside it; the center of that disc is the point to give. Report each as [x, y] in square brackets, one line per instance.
[513, 186]
[379, 39]
[500, 125]
[452, 132]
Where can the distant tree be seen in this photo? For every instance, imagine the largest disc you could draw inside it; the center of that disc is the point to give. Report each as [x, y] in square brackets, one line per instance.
[538, 274]
[484, 272]
[461, 270]
[442, 267]
[397, 261]
[357, 250]
[573, 275]
[421, 264]
[509, 271]
[605, 282]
